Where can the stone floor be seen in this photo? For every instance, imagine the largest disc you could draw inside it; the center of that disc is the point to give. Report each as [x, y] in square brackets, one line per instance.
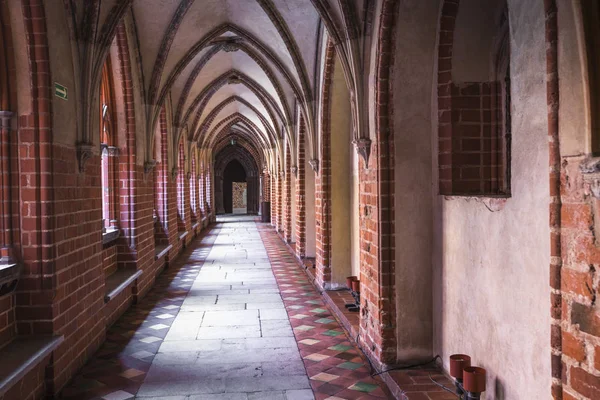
[233, 318]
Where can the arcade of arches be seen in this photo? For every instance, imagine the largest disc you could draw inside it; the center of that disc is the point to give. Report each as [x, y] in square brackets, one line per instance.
[181, 174]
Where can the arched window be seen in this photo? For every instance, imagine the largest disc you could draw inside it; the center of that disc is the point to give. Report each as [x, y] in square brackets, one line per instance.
[591, 19]
[108, 150]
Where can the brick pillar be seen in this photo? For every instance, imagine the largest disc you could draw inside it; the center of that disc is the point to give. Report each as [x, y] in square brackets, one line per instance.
[266, 186]
[577, 217]
[280, 197]
[323, 177]
[376, 190]
[301, 193]
[273, 186]
[287, 217]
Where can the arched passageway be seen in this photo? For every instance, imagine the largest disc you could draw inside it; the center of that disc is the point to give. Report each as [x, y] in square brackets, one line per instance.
[234, 188]
[443, 154]
[236, 172]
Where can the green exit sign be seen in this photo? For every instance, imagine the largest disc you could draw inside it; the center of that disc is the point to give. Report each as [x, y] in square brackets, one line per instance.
[60, 91]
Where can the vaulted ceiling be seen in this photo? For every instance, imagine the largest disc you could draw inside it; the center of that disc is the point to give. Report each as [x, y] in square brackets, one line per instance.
[246, 66]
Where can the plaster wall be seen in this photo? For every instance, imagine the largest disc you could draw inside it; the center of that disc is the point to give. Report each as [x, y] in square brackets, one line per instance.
[413, 84]
[21, 58]
[64, 121]
[490, 265]
[341, 178]
[141, 138]
[309, 204]
[474, 40]
[574, 110]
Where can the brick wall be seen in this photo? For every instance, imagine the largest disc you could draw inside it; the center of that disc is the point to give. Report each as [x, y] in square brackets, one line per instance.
[273, 186]
[109, 259]
[32, 386]
[57, 226]
[280, 196]
[575, 254]
[7, 319]
[79, 293]
[576, 319]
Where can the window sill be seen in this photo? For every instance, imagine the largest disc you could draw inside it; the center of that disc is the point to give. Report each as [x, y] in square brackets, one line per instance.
[161, 250]
[119, 281]
[22, 355]
[9, 277]
[196, 225]
[492, 202]
[110, 236]
[182, 235]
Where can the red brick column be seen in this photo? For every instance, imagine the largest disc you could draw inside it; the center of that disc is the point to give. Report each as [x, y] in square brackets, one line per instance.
[376, 192]
[323, 177]
[301, 193]
[570, 219]
[280, 198]
[274, 199]
[287, 216]
[266, 186]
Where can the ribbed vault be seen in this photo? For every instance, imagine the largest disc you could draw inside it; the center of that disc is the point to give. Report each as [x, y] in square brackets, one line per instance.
[219, 65]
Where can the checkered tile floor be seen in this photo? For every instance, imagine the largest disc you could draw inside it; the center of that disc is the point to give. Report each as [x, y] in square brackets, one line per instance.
[118, 369]
[336, 368]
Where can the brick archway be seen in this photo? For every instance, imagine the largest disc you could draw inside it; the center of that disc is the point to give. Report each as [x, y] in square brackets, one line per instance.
[243, 156]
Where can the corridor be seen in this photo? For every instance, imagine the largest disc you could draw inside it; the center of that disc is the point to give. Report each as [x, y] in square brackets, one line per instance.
[235, 319]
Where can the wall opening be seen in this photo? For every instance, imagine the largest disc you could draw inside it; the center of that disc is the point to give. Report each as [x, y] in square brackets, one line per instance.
[234, 173]
[474, 100]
